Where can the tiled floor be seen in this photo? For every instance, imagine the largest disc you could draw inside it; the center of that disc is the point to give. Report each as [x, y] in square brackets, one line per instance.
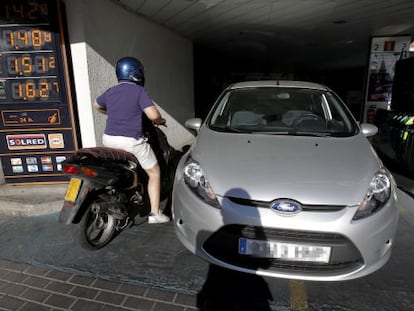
[26, 287]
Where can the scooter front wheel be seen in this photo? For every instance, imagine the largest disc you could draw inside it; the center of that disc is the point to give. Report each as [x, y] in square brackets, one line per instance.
[96, 228]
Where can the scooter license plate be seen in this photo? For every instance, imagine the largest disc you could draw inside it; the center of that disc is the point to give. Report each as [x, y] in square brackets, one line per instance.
[73, 189]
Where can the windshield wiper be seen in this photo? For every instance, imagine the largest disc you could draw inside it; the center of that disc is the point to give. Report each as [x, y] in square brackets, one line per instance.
[236, 130]
[313, 134]
[228, 128]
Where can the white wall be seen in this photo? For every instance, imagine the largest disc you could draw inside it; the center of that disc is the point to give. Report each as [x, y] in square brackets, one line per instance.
[100, 32]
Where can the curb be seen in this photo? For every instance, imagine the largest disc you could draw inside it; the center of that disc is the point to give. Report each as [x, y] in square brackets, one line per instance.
[31, 200]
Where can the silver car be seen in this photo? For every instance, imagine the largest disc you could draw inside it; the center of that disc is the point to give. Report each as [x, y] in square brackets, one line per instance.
[283, 182]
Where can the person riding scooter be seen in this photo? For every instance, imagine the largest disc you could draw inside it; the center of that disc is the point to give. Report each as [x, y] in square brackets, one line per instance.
[124, 105]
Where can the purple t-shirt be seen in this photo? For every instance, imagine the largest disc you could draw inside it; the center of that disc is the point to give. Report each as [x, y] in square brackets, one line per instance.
[124, 104]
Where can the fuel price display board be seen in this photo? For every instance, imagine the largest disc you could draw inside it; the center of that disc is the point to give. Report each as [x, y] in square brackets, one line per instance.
[37, 128]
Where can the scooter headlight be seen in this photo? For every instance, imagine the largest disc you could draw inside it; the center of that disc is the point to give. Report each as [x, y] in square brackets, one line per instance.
[197, 181]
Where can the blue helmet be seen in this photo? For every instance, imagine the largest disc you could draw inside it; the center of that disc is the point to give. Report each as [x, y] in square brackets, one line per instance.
[130, 69]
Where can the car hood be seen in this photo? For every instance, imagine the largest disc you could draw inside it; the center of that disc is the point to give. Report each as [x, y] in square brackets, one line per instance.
[311, 170]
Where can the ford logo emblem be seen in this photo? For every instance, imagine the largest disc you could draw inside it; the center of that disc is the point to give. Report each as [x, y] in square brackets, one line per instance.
[285, 207]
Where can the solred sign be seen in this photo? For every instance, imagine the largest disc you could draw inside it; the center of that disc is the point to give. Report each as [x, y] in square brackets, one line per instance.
[26, 141]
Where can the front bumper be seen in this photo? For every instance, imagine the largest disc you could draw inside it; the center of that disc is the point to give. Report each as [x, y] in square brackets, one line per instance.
[358, 247]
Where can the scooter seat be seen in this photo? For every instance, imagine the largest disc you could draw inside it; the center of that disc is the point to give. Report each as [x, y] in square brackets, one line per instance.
[106, 153]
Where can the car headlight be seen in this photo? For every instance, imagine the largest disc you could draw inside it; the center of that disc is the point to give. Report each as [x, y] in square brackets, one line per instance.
[197, 181]
[378, 194]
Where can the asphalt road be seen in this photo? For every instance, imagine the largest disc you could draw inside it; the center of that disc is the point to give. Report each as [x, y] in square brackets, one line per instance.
[151, 255]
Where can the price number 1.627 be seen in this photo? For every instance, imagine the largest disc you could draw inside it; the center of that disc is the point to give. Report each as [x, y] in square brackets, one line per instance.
[31, 90]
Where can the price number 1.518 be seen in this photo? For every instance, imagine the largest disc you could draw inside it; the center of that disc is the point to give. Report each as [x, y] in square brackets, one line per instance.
[27, 65]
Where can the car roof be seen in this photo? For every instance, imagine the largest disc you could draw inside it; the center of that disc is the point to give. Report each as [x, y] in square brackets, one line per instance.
[278, 83]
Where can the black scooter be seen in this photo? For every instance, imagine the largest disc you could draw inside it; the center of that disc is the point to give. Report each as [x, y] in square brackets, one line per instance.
[107, 188]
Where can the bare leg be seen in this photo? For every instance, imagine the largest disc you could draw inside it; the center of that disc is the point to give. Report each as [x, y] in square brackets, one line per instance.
[154, 188]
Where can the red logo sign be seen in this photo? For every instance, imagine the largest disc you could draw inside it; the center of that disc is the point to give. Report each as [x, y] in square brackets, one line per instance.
[26, 141]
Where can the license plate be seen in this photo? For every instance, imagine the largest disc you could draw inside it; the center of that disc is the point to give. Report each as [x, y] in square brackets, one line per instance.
[73, 189]
[285, 251]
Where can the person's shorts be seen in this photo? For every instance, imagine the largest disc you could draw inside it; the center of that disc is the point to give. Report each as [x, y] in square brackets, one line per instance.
[138, 147]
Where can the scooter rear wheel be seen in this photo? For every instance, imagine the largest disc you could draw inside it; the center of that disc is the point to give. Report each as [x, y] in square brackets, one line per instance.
[96, 228]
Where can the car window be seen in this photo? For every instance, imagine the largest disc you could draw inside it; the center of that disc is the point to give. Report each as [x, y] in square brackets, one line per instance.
[278, 110]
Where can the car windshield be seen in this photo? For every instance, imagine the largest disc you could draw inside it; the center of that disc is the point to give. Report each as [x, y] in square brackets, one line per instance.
[283, 111]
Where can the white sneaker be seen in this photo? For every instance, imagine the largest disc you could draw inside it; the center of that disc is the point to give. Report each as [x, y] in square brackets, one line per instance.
[158, 219]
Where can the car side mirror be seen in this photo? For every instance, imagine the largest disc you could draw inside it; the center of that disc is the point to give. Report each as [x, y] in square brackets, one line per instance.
[193, 124]
[368, 129]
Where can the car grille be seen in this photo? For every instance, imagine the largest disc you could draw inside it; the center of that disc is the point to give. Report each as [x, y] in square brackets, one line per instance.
[266, 204]
[224, 245]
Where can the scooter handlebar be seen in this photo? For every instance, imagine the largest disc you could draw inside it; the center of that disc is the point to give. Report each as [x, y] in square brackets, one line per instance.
[160, 122]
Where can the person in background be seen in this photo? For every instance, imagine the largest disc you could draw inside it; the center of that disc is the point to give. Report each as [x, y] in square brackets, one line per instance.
[124, 105]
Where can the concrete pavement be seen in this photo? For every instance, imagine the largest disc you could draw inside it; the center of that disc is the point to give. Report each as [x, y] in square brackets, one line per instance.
[42, 269]
[31, 200]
